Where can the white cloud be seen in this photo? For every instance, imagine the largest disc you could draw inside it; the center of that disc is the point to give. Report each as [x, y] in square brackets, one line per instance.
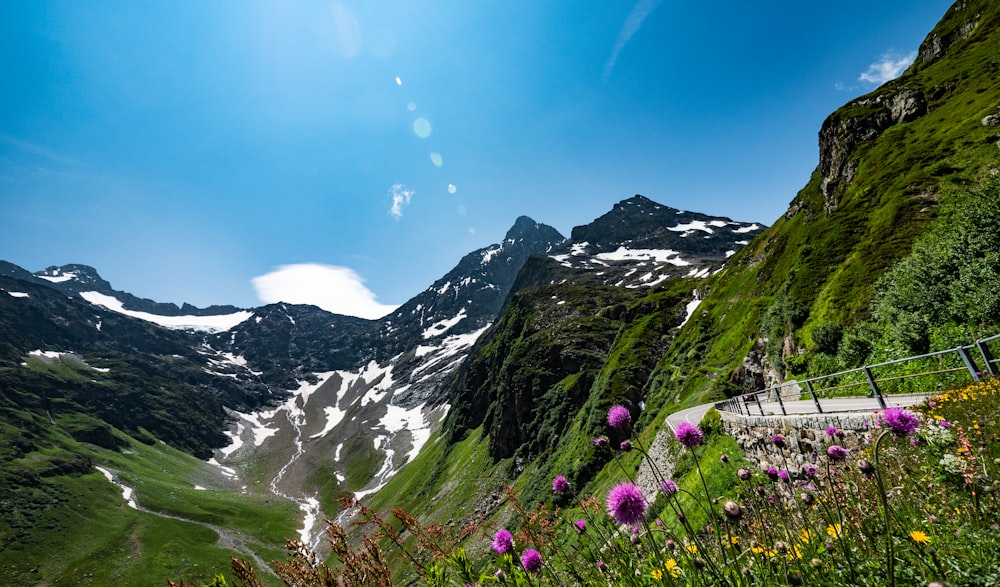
[889, 66]
[640, 11]
[335, 289]
[401, 196]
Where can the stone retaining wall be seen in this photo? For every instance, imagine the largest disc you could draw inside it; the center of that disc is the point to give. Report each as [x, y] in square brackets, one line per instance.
[803, 434]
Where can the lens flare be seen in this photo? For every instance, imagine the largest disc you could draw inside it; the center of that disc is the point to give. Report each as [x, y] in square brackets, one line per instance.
[452, 188]
[436, 159]
[422, 128]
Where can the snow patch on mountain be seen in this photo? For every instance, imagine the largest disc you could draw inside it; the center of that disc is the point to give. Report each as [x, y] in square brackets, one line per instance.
[70, 357]
[692, 226]
[654, 255]
[442, 326]
[418, 423]
[18, 294]
[334, 416]
[691, 307]
[217, 323]
[128, 494]
[451, 345]
[489, 253]
[57, 276]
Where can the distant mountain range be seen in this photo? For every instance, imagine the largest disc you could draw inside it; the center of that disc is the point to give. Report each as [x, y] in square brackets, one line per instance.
[221, 381]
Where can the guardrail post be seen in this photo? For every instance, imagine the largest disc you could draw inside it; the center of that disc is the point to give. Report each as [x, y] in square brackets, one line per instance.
[875, 389]
[756, 398]
[969, 364]
[987, 358]
[777, 393]
[809, 386]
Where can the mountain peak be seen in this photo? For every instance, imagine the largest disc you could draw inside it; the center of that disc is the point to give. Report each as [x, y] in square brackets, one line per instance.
[640, 200]
[84, 275]
[527, 230]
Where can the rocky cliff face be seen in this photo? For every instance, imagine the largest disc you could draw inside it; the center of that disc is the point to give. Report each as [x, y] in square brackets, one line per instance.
[957, 25]
[862, 121]
[859, 122]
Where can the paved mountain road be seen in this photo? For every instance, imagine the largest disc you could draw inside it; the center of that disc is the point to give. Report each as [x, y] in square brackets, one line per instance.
[793, 407]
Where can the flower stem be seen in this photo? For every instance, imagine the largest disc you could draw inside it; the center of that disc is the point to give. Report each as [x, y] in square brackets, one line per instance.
[890, 555]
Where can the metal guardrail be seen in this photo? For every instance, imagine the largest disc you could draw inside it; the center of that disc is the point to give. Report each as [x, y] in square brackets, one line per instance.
[960, 358]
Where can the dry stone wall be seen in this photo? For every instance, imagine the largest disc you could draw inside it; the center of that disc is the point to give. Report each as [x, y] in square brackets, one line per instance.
[803, 435]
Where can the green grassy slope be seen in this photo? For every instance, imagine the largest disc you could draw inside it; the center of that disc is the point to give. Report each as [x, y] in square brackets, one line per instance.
[63, 523]
[818, 264]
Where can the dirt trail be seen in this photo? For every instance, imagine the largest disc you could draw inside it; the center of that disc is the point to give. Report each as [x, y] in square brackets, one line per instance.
[228, 539]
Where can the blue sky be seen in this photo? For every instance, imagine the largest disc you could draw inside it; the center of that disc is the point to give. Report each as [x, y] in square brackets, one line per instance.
[349, 153]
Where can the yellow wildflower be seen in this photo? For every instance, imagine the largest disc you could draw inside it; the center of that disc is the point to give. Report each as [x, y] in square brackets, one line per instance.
[692, 548]
[833, 530]
[672, 568]
[657, 574]
[920, 537]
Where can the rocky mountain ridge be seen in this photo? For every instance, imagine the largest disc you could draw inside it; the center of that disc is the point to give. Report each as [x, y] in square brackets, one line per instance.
[320, 384]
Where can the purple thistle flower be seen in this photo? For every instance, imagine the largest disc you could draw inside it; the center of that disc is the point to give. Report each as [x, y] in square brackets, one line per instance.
[809, 470]
[772, 473]
[837, 452]
[831, 430]
[580, 525]
[902, 422]
[724, 458]
[944, 424]
[778, 440]
[531, 560]
[626, 503]
[625, 446]
[783, 475]
[689, 435]
[503, 542]
[668, 487]
[744, 474]
[619, 417]
[560, 484]
[600, 441]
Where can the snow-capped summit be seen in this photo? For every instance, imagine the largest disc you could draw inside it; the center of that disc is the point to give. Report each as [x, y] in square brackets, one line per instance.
[642, 243]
